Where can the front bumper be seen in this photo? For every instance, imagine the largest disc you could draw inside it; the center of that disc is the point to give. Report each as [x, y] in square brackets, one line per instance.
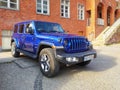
[61, 56]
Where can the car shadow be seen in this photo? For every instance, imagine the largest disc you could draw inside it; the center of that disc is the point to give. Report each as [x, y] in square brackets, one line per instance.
[74, 73]
[101, 63]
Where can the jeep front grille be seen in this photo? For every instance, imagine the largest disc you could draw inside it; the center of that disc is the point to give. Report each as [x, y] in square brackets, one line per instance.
[75, 45]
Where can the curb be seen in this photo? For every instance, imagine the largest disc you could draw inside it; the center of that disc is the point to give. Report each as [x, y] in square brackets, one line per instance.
[7, 60]
[6, 57]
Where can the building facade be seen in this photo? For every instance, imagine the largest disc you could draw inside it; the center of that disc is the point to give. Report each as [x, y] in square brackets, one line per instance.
[82, 17]
[100, 14]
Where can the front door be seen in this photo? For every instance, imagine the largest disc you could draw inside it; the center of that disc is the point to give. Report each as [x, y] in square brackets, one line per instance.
[108, 16]
[29, 38]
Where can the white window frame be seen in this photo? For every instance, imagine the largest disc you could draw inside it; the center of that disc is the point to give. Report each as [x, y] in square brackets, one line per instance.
[42, 9]
[8, 5]
[81, 12]
[64, 6]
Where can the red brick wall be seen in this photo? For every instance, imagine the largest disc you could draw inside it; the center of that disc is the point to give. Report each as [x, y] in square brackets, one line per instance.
[28, 12]
[118, 14]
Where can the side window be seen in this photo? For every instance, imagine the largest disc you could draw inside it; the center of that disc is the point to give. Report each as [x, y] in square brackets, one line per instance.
[28, 26]
[15, 28]
[21, 28]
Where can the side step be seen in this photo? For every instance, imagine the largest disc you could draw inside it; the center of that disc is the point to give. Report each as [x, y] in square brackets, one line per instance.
[27, 53]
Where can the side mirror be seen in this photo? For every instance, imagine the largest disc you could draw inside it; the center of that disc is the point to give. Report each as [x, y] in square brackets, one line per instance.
[30, 30]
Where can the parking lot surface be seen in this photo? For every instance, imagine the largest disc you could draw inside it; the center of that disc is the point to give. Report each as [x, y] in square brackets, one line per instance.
[23, 73]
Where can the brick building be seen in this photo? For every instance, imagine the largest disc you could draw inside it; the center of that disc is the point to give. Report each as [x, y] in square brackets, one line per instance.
[81, 17]
[100, 14]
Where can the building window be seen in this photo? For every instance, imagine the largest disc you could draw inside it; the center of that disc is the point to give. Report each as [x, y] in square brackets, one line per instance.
[100, 20]
[10, 4]
[43, 7]
[99, 10]
[81, 11]
[65, 8]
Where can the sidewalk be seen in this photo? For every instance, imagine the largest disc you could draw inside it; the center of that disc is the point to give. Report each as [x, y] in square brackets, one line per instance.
[6, 57]
[115, 45]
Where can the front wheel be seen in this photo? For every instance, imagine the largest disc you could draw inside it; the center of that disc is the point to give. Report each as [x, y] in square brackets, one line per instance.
[48, 65]
[14, 52]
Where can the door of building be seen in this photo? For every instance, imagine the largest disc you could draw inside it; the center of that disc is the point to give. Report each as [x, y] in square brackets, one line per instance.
[109, 16]
[6, 38]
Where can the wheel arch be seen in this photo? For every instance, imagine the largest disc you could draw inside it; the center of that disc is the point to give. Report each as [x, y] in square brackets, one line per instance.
[44, 45]
[14, 40]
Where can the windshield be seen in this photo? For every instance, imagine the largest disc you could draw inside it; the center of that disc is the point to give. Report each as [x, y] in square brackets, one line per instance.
[48, 27]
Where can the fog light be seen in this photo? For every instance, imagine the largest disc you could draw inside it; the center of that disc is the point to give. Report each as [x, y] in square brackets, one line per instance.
[72, 59]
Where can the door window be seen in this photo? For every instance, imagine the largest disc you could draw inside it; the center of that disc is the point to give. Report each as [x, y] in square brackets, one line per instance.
[29, 25]
[21, 28]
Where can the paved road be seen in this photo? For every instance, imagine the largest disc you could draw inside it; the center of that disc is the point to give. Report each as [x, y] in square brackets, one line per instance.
[19, 73]
[102, 73]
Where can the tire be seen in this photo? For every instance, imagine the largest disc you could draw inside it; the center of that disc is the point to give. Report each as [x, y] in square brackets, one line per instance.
[48, 65]
[84, 63]
[14, 52]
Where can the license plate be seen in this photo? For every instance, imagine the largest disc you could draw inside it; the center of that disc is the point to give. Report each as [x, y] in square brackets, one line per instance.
[89, 57]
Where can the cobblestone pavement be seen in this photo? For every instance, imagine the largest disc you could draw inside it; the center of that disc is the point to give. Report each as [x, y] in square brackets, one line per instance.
[103, 73]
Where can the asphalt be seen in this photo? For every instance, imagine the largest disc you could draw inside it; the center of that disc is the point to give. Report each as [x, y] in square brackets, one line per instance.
[6, 57]
[23, 73]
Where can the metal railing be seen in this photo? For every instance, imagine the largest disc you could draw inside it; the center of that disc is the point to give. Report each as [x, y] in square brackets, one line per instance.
[112, 30]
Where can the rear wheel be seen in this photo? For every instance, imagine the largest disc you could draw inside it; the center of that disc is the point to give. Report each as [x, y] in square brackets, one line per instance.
[84, 63]
[14, 52]
[48, 65]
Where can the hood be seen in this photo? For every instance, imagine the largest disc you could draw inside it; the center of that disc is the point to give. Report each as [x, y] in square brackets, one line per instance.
[71, 43]
[59, 35]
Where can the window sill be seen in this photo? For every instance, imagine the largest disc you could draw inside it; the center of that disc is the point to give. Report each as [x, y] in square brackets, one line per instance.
[81, 19]
[43, 14]
[9, 8]
[65, 17]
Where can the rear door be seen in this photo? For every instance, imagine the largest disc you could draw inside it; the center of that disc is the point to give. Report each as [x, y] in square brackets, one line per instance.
[21, 35]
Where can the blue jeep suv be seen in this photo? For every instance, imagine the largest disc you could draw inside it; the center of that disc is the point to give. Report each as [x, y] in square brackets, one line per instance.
[48, 42]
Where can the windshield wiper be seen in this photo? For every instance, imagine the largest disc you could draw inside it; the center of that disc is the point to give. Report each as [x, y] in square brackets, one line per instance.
[55, 31]
[41, 31]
